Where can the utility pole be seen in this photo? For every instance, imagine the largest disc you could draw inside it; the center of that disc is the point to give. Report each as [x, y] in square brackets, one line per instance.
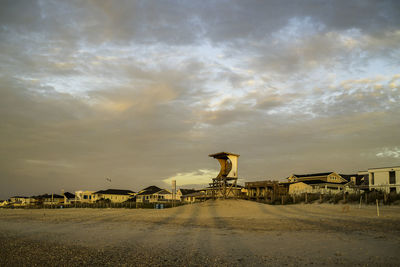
[65, 198]
[173, 192]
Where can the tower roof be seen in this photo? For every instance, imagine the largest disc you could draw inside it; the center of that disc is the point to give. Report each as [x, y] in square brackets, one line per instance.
[222, 155]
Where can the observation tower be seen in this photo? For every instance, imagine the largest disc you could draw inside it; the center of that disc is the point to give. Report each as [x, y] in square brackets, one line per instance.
[225, 184]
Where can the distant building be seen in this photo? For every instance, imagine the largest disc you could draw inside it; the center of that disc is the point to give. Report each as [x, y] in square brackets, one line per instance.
[385, 179]
[114, 195]
[69, 198]
[196, 196]
[162, 196]
[329, 177]
[265, 190]
[183, 192]
[49, 199]
[324, 183]
[146, 195]
[154, 194]
[20, 200]
[3, 203]
[85, 196]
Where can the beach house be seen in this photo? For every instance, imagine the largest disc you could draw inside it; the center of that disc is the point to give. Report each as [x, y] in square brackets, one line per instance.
[196, 196]
[324, 183]
[153, 194]
[85, 196]
[20, 200]
[183, 192]
[385, 179]
[4, 203]
[114, 195]
[69, 198]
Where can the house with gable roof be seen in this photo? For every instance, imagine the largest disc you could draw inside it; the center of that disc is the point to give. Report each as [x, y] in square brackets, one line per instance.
[326, 182]
[154, 194]
[114, 195]
[69, 198]
[181, 193]
[20, 200]
[4, 203]
[85, 196]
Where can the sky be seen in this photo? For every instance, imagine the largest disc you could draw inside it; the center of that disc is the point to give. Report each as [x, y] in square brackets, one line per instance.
[141, 92]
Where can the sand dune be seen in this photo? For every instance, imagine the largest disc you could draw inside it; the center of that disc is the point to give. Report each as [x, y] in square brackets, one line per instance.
[230, 232]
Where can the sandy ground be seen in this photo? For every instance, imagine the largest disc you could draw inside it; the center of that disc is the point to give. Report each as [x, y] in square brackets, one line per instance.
[213, 233]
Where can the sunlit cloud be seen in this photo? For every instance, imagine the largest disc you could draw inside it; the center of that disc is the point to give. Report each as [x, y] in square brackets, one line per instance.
[199, 177]
[49, 163]
[389, 153]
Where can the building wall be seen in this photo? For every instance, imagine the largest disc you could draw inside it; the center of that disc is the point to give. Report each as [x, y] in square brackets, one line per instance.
[141, 198]
[379, 179]
[335, 178]
[20, 201]
[299, 188]
[179, 196]
[113, 198]
[332, 188]
[234, 171]
[190, 199]
[54, 201]
[85, 196]
[154, 198]
[151, 198]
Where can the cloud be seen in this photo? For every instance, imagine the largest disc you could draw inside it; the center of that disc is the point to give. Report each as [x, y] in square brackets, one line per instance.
[142, 90]
[49, 163]
[199, 177]
[389, 153]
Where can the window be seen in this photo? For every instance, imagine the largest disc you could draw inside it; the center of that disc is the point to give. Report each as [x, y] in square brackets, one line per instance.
[85, 197]
[372, 178]
[392, 177]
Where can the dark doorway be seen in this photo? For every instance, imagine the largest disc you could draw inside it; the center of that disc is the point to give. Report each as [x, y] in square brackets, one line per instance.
[392, 177]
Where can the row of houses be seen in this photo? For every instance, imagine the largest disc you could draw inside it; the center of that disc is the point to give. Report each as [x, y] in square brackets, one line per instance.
[151, 194]
[46, 199]
[375, 179]
[382, 179]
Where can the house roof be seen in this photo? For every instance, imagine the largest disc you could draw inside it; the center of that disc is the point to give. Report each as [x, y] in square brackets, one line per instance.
[150, 190]
[48, 196]
[163, 192]
[392, 167]
[187, 191]
[312, 174]
[115, 192]
[69, 195]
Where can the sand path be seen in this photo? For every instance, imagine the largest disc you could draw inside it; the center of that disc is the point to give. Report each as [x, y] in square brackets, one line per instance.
[216, 233]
